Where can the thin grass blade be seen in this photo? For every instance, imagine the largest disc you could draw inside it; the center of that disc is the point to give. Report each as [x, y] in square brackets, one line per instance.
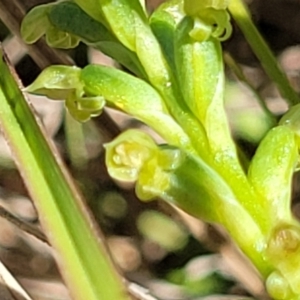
[82, 256]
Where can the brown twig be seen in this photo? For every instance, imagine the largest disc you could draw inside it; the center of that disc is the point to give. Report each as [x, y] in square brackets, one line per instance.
[139, 292]
[22, 225]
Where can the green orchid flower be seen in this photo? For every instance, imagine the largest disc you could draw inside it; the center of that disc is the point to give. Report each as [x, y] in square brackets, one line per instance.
[210, 19]
[63, 83]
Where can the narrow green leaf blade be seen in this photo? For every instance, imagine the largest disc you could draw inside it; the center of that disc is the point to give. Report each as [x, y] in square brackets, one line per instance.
[163, 22]
[83, 259]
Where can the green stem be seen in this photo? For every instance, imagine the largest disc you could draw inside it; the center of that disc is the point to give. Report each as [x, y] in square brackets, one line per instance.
[75, 141]
[242, 17]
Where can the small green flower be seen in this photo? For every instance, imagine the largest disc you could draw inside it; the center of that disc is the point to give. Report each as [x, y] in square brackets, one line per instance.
[64, 83]
[126, 155]
[37, 23]
[210, 19]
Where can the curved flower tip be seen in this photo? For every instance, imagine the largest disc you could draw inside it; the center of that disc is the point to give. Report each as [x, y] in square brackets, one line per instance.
[36, 24]
[210, 19]
[56, 82]
[126, 155]
[84, 108]
[63, 83]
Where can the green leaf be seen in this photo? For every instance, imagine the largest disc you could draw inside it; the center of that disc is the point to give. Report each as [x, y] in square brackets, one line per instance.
[82, 258]
[135, 97]
[271, 171]
[163, 23]
[123, 56]
[94, 9]
[121, 16]
[69, 17]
